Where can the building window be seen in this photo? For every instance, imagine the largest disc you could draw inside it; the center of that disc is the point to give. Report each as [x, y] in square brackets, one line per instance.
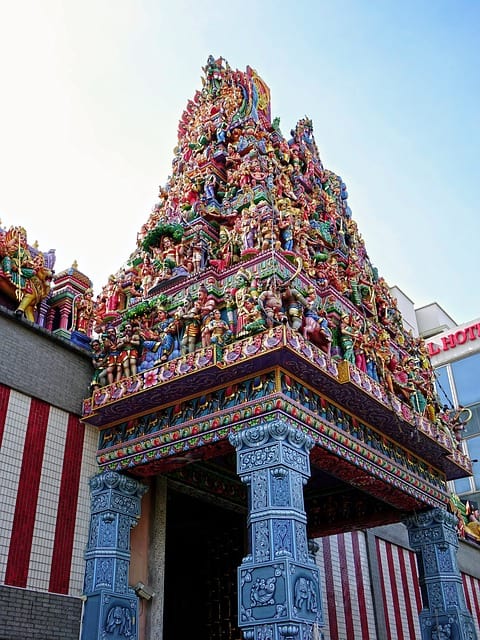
[465, 374]
[462, 486]
[457, 385]
[473, 445]
[473, 426]
[442, 384]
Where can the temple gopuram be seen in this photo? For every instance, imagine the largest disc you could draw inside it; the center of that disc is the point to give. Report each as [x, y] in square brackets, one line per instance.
[252, 370]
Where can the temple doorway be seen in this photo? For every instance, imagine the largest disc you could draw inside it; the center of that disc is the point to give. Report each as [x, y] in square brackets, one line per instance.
[205, 544]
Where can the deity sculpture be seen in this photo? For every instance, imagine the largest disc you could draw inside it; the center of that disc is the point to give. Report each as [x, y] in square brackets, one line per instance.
[24, 277]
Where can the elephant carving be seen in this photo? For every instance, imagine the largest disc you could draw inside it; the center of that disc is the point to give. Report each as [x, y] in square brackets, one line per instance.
[305, 595]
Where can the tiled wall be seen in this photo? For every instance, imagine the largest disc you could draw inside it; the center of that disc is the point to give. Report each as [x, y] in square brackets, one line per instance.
[347, 574]
[34, 540]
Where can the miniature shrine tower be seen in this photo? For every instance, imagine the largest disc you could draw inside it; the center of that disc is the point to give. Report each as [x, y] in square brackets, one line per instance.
[251, 356]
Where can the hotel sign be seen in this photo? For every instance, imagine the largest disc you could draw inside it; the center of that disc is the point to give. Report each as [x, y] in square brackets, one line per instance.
[453, 340]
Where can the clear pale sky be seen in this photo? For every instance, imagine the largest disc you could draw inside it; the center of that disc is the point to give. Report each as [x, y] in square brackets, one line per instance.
[92, 91]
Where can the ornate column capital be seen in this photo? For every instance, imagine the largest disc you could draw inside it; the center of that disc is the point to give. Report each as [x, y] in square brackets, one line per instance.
[112, 491]
[118, 481]
[276, 431]
[435, 526]
[274, 445]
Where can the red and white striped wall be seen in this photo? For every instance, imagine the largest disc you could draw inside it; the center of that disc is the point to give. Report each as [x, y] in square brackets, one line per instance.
[348, 606]
[347, 597]
[46, 458]
[402, 600]
[471, 587]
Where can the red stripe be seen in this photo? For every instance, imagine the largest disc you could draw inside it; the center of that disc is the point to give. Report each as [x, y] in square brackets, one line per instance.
[362, 604]
[330, 588]
[384, 591]
[466, 590]
[415, 580]
[393, 586]
[476, 596]
[406, 592]
[27, 495]
[347, 601]
[476, 603]
[4, 398]
[67, 507]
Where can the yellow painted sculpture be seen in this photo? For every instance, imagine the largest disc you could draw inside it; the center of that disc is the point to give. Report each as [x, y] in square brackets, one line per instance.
[24, 277]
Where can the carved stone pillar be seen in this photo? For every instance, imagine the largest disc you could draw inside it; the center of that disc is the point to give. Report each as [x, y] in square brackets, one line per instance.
[65, 314]
[278, 581]
[50, 319]
[111, 605]
[444, 616]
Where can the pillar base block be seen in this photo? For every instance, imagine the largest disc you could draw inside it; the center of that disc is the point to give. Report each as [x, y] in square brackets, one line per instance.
[285, 591]
[447, 625]
[108, 615]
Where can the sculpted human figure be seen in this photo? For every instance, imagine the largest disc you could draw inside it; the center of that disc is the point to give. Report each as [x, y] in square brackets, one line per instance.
[401, 382]
[293, 302]
[114, 369]
[218, 329]
[385, 361]
[285, 224]
[24, 278]
[250, 318]
[159, 342]
[271, 304]
[17, 262]
[249, 224]
[347, 335]
[268, 236]
[83, 312]
[315, 323]
[223, 252]
[129, 347]
[242, 290]
[359, 343]
[112, 293]
[147, 273]
[210, 189]
[198, 253]
[473, 516]
[169, 254]
[191, 319]
[99, 361]
[38, 288]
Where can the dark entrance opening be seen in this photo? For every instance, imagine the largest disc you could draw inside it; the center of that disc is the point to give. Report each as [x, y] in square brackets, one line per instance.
[204, 546]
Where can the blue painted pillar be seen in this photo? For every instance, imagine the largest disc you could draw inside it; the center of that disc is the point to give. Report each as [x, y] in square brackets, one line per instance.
[111, 606]
[444, 616]
[278, 581]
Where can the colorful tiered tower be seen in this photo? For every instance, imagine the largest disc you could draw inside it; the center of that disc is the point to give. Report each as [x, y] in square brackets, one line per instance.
[250, 314]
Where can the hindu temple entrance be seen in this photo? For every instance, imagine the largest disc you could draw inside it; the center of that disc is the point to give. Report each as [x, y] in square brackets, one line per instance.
[250, 316]
[204, 546]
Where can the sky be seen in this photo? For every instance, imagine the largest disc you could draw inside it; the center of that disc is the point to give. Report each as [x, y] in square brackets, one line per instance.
[92, 91]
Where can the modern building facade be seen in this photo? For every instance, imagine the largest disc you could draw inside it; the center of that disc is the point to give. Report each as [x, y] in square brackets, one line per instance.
[455, 354]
